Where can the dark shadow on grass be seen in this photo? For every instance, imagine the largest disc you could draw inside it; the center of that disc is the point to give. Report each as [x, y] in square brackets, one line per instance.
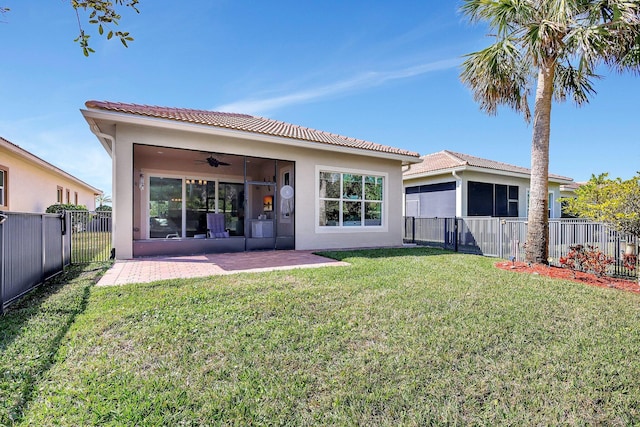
[341, 255]
[59, 300]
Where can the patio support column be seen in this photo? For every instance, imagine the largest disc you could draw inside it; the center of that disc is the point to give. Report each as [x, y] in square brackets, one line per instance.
[123, 185]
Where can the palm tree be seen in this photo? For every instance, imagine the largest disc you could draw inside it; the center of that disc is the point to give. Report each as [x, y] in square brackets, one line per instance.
[102, 199]
[559, 44]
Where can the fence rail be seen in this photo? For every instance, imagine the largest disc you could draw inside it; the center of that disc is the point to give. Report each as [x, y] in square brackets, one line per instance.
[505, 238]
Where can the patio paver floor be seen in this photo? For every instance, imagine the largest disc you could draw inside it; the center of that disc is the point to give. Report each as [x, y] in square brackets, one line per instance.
[145, 270]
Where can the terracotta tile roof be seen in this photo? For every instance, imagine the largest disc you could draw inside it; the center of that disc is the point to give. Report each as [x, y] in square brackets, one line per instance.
[572, 186]
[246, 123]
[447, 160]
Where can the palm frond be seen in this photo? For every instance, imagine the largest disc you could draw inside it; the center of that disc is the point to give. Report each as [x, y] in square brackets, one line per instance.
[574, 82]
[498, 75]
[619, 22]
[502, 15]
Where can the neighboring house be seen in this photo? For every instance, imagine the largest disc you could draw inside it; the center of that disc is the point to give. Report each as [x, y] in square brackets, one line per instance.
[568, 191]
[278, 186]
[30, 184]
[449, 184]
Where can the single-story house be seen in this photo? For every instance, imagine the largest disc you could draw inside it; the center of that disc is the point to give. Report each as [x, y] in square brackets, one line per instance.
[31, 184]
[450, 184]
[193, 181]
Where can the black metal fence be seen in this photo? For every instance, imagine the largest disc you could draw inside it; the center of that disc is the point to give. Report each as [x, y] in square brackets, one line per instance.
[36, 247]
[505, 238]
[90, 236]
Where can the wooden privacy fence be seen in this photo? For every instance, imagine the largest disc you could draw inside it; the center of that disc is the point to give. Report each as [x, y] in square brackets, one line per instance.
[505, 237]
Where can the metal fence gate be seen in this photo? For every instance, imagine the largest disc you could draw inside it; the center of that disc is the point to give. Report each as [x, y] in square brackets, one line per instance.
[90, 236]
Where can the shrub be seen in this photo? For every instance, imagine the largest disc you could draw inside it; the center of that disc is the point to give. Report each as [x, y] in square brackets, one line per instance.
[59, 208]
[588, 259]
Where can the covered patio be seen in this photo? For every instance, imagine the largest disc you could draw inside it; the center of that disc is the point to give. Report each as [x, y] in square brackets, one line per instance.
[180, 191]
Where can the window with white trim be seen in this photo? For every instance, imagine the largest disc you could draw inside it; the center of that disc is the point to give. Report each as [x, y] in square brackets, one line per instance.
[3, 187]
[550, 206]
[350, 199]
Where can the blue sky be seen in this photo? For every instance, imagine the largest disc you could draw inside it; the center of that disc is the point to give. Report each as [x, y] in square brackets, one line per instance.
[382, 71]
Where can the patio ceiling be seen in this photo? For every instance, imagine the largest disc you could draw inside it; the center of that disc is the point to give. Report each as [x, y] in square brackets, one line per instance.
[194, 162]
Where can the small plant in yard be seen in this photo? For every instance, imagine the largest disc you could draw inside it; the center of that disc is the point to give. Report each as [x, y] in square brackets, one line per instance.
[629, 261]
[588, 259]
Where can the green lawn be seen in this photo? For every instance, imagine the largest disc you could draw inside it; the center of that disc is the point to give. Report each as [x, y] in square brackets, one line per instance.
[401, 337]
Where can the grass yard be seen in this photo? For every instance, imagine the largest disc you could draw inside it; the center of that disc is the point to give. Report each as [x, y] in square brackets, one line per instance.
[401, 337]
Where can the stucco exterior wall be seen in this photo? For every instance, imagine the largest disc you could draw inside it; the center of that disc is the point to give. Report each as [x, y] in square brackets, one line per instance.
[127, 205]
[32, 187]
[478, 176]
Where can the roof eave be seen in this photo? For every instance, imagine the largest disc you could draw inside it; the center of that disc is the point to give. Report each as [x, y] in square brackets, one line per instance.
[444, 171]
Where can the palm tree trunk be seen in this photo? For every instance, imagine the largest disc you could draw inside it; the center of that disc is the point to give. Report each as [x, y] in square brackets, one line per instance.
[537, 248]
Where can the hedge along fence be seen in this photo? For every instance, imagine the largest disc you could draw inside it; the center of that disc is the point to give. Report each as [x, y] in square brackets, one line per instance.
[505, 238]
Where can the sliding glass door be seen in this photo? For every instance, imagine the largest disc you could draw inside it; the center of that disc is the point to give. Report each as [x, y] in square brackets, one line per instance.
[231, 203]
[200, 196]
[178, 207]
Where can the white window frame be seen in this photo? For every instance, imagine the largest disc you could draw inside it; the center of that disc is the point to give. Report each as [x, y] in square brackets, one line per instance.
[351, 229]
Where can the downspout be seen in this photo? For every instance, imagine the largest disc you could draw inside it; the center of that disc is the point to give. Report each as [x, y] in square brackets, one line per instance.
[458, 193]
[456, 229]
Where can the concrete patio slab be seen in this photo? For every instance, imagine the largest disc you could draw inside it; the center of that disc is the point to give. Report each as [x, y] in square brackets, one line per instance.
[145, 270]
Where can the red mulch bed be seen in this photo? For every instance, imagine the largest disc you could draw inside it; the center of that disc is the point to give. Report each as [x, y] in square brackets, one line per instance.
[566, 274]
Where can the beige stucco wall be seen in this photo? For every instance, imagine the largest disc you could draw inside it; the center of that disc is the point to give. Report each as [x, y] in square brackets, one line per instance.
[477, 176]
[307, 163]
[33, 187]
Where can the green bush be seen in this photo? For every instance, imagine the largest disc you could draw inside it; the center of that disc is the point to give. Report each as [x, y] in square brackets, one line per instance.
[59, 208]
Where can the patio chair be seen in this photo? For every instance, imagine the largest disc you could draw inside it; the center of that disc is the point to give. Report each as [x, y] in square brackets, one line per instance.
[215, 226]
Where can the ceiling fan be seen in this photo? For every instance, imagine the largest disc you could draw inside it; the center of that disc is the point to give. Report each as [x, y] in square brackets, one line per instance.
[213, 162]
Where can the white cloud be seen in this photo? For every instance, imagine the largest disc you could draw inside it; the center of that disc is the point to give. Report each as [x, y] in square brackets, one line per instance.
[362, 81]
